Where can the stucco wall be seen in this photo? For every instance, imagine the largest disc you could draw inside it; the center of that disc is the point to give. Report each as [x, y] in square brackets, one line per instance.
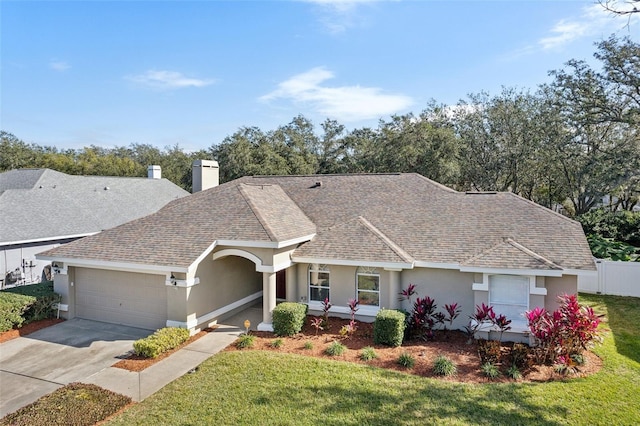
[557, 286]
[222, 281]
[446, 286]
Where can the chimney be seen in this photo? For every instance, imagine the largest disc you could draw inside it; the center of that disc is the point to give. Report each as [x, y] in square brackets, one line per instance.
[154, 172]
[205, 175]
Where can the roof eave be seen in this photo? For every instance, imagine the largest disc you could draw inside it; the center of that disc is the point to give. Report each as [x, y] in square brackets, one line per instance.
[115, 265]
[345, 262]
[513, 271]
[43, 239]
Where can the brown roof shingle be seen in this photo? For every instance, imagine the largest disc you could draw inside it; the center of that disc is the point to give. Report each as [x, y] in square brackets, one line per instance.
[368, 217]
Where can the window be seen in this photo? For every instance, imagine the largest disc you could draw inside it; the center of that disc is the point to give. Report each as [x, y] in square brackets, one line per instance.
[368, 286]
[509, 296]
[318, 282]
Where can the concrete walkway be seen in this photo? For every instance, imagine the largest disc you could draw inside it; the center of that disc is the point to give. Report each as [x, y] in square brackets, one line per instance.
[84, 351]
[140, 385]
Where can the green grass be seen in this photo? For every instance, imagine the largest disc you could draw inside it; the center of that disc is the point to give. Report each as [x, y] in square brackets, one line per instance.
[255, 387]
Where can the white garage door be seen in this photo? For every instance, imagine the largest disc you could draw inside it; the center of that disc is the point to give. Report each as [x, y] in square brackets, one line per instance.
[138, 300]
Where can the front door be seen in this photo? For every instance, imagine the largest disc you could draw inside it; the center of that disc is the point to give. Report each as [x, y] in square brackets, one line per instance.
[281, 284]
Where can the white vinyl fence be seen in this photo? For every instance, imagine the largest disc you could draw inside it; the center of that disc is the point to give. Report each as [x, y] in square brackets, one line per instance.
[614, 278]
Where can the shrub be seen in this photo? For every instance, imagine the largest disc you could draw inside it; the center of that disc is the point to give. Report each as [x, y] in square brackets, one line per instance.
[519, 355]
[368, 353]
[24, 304]
[277, 343]
[568, 331]
[326, 305]
[514, 373]
[308, 345]
[490, 371]
[444, 366]
[452, 312]
[489, 351]
[406, 360]
[388, 328]
[161, 341]
[423, 318]
[12, 308]
[245, 341]
[335, 349]
[318, 324]
[482, 315]
[288, 318]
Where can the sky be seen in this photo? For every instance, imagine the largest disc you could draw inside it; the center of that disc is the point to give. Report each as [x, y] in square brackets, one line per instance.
[113, 73]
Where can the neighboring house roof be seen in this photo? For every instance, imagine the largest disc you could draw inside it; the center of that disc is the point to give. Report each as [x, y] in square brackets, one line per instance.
[42, 204]
[392, 219]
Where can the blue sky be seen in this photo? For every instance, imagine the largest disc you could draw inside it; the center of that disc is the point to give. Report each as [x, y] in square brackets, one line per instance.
[191, 73]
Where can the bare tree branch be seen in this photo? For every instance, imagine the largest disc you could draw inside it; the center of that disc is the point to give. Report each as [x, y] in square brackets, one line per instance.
[621, 7]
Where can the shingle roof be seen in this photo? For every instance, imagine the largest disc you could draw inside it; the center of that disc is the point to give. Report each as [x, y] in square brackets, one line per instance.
[510, 255]
[394, 218]
[371, 245]
[180, 232]
[38, 204]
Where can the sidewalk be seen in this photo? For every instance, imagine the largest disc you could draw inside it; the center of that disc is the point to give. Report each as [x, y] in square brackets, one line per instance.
[140, 385]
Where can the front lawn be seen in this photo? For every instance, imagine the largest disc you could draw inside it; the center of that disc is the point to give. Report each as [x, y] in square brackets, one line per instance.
[258, 387]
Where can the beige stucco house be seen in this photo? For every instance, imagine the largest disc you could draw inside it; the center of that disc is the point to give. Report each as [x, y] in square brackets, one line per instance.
[303, 238]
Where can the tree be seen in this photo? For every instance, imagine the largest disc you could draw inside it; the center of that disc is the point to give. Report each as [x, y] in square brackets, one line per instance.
[621, 7]
[598, 146]
[501, 142]
[417, 144]
[15, 154]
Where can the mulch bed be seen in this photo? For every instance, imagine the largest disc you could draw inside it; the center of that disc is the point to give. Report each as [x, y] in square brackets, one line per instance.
[28, 329]
[453, 344]
[132, 362]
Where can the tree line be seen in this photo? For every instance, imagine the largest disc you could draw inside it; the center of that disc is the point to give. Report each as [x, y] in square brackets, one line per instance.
[566, 144]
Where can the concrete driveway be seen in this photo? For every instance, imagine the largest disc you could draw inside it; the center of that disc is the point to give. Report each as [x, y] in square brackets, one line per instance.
[72, 351]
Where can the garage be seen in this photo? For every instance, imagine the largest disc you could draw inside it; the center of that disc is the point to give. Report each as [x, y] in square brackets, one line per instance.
[133, 299]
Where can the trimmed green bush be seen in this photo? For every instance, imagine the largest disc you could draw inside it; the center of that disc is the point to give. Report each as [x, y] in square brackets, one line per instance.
[24, 304]
[12, 308]
[161, 341]
[308, 345]
[388, 328]
[288, 318]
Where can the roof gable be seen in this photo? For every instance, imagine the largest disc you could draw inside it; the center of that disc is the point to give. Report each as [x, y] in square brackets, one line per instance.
[355, 240]
[280, 217]
[510, 255]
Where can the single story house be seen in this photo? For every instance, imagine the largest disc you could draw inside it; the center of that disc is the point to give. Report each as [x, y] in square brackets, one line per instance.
[41, 209]
[307, 238]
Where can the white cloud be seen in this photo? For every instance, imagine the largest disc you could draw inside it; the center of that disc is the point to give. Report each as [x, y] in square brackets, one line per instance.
[166, 80]
[346, 103]
[339, 15]
[593, 21]
[59, 65]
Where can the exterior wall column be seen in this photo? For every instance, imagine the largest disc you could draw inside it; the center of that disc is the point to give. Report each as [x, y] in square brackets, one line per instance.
[394, 288]
[268, 300]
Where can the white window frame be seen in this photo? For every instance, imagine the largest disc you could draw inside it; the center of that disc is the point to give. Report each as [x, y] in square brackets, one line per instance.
[367, 272]
[317, 268]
